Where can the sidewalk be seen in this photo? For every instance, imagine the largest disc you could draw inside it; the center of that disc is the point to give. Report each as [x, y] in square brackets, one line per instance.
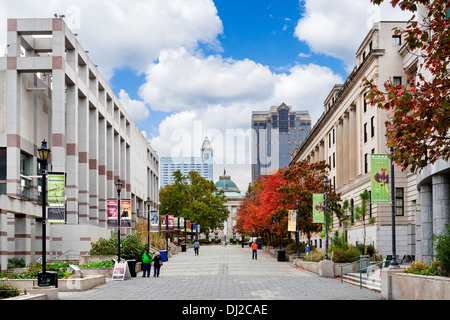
[225, 272]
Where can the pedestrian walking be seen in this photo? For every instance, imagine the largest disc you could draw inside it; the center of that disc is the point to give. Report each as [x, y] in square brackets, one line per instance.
[157, 263]
[196, 247]
[147, 259]
[254, 250]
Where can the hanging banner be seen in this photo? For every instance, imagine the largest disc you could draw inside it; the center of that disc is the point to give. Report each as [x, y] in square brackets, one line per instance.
[154, 220]
[164, 223]
[125, 217]
[198, 228]
[193, 227]
[379, 183]
[182, 226]
[56, 198]
[111, 208]
[318, 208]
[292, 220]
[170, 223]
[188, 226]
[175, 223]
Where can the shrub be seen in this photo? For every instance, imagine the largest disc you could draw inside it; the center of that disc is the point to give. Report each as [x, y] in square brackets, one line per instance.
[131, 247]
[344, 255]
[442, 246]
[16, 263]
[8, 291]
[314, 256]
[100, 264]
[423, 269]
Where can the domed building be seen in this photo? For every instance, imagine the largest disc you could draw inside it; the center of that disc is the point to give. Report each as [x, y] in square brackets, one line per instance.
[234, 198]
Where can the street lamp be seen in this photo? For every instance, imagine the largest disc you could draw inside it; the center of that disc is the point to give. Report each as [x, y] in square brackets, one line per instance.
[44, 152]
[167, 229]
[325, 185]
[394, 263]
[118, 188]
[298, 228]
[148, 202]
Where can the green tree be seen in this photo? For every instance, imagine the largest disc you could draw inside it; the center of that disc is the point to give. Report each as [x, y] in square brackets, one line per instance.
[195, 198]
[361, 215]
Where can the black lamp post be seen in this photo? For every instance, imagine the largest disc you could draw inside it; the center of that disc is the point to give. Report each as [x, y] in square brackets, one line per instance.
[394, 263]
[118, 188]
[148, 202]
[44, 152]
[297, 227]
[167, 229]
[325, 185]
[178, 226]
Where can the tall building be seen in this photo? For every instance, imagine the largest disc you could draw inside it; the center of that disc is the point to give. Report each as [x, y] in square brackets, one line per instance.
[275, 134]
[50, 90]
[203, 165]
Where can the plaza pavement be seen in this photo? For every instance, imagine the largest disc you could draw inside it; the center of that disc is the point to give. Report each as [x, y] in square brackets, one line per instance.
[225, 273]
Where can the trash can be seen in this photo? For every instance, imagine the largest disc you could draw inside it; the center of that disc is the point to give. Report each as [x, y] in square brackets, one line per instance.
[132, 267]
[259, 245]
[281, 255]
[163, 254]
[363, 263]
[50, 278]
[183, 248]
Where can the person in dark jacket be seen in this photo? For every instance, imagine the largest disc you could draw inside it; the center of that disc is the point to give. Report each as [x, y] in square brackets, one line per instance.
[157, 263]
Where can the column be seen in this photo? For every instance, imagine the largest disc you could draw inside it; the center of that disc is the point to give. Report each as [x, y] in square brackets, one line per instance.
[346, 149]
[93, 165]
[353, 144]
[426, 215]
[3, 240]
[339, 153]
[22, 237]
[83, 161]
[102, 143]
[441, 202]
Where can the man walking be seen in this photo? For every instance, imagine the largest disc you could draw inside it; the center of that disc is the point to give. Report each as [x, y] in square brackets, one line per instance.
[147, 259]
[254, 250]
[196, 247]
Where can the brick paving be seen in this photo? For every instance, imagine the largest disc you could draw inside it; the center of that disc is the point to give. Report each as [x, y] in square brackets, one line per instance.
[225, 273]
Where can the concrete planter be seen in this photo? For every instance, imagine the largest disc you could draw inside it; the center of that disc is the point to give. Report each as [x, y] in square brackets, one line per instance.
[397, 285]
[328, 269]
[71, 284]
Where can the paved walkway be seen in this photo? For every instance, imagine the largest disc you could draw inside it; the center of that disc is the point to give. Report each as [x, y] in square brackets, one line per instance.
[224, 273]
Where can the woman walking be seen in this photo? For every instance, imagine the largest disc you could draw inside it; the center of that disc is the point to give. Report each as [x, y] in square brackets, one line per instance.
[147, 259]
[157, 263]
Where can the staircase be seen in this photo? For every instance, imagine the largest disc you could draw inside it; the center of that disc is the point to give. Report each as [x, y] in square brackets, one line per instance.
[370, 280]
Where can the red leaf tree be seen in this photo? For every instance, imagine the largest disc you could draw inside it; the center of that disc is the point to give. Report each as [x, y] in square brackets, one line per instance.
[419, 111]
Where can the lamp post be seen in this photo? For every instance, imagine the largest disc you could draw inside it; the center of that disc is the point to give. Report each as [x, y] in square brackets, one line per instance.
[394, 263]
[178, 227]
[148, 202]
[298, 228]
[118, 188]
[167, 229]
[44, 152]
[325, 185]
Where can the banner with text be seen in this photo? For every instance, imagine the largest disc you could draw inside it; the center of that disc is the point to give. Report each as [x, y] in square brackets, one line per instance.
[318, 208]
[292, 219]
[125, 217]
[379, 184]
[111, 208]
[56, 198]
[154, 219]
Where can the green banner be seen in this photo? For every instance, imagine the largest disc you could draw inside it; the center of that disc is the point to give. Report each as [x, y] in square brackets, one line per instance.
[56, 198]
[318, 208]
[379, 184]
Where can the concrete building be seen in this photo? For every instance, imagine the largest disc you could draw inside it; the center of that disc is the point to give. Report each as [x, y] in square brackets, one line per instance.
[233, 199]
[203, 165]
[350, 130]
[50, 89]
[275, 134]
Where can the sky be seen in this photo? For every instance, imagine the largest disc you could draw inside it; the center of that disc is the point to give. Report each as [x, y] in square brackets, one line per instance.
[186, 69]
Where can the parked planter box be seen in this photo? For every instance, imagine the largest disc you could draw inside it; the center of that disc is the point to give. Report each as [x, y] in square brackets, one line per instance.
[405, 286]
[71, 284]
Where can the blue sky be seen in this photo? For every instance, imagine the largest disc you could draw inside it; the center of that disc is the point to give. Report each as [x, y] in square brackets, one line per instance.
[186, 69]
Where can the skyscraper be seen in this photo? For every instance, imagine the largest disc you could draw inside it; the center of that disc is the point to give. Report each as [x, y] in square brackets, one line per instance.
[274, 135]
[203, 165]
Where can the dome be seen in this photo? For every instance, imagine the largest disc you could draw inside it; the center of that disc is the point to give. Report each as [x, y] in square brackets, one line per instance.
[227, 185]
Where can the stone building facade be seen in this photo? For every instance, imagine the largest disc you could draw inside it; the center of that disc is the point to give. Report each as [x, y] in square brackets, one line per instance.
[51, 90]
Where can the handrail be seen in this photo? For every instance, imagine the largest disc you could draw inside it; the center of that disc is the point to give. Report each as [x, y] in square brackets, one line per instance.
[347, 265]
[373, 265]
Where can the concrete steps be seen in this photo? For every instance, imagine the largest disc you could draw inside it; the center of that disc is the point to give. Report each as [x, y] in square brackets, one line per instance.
[371, 281]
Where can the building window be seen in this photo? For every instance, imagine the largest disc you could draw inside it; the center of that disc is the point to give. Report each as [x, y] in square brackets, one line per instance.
[372, 127]
[370, 205]
[283, 126]
[396, 40]
[329, 140]
[352, 210]
[3, 170]
[25, 164]
[399, 202]
[364, 103]
[365, 132]
[366, 163]
[397, 81]
[333, 137]
[334, 160]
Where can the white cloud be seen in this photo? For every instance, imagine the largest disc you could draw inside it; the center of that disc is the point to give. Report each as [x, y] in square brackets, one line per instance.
[135, 108]
[336, 28]
[119, 32]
